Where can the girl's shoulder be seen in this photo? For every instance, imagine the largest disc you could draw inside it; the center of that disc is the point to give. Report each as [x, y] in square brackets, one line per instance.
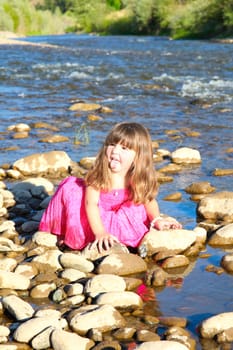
[72, 181]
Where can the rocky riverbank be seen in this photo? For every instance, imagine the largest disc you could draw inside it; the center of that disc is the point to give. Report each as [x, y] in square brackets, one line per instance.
[53, 298]
[9, 38]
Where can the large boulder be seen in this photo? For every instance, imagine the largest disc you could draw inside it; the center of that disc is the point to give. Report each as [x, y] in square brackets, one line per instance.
[53, 161]
[216, 207]
[175, 241]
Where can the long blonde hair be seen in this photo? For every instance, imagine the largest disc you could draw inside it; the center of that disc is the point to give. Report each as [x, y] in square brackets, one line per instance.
[141, 177]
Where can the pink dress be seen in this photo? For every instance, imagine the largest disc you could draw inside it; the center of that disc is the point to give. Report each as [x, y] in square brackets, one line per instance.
[66, 217]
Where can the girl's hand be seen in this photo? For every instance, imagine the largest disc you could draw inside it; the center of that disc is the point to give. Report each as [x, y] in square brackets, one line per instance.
[166, 224]
[103, 242]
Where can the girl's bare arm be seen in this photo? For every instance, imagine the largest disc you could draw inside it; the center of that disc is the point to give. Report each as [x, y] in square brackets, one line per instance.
[157, 221]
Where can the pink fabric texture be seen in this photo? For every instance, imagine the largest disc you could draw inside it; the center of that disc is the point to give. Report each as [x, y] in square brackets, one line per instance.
[66, 216]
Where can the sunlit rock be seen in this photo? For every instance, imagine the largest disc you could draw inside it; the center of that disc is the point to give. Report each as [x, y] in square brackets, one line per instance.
[122, 264]
[13, 280]
[80, 106]
[174, 240]
[19, 127]
[43, 162]
[223, 236]
[203, 187]
[123, 299]
[185, 155]
[17, 307]
[63, 340]
[217, 207]
[216, 324]
[72, 260]
[104, 283]
[103, 318]
[54, 139]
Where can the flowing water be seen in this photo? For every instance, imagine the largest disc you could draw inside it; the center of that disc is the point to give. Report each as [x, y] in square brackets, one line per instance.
[163, 84]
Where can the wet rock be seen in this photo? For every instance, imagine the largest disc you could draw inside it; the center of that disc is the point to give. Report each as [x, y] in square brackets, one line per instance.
[17, 307]
[226, 336]
[42, 339]
[43, 125]
[162, 345]
[20, 135]
[13, 174]
[145, 336]
[72, 260]
[73, 289]
[175, 261]
[94, 254]
[203, 187]
[223, 236]
[63, 340]
[87, 162]
[156, 277]
[123, 299]
[35, 186]
[173, 321]
[26, 269]
[7, 198]
[48, 259]
[94, 117]
[13, 280]
[185, 155]
[73, 300]
[124, 333]
[104, 283]
[164, 178]
[216, 324]
[44, 239]
[7, 264]
[122, 264]
[4, 333]
[54, 139]
[103, 318]
[42, 290]
[174, 240]
[180, 334]
[223, 172]
[30, 226]
[177, 196]
[201, 234]
[7, 245]
[80, 106]
[217, 207]
[72, 275]
[43, 162]
[170, 169]
[227, 262]
[21, 127]
[29, 329]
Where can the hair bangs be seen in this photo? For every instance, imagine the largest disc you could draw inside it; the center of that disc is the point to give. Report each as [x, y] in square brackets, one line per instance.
[125, 136]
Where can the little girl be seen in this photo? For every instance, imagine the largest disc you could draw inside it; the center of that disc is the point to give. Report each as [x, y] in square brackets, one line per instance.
[116, 200]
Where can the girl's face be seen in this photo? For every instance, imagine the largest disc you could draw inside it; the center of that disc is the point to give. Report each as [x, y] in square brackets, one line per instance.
[120, 158]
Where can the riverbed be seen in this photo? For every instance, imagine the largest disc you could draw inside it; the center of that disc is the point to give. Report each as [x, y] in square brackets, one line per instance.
[182, 91]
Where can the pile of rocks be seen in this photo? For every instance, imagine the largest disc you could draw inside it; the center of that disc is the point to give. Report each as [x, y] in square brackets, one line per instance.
[54, 298]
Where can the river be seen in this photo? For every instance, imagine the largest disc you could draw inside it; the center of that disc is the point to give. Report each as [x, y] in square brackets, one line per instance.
[164, 84]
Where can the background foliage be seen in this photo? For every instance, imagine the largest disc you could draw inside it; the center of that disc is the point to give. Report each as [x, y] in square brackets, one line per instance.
[176, 18]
